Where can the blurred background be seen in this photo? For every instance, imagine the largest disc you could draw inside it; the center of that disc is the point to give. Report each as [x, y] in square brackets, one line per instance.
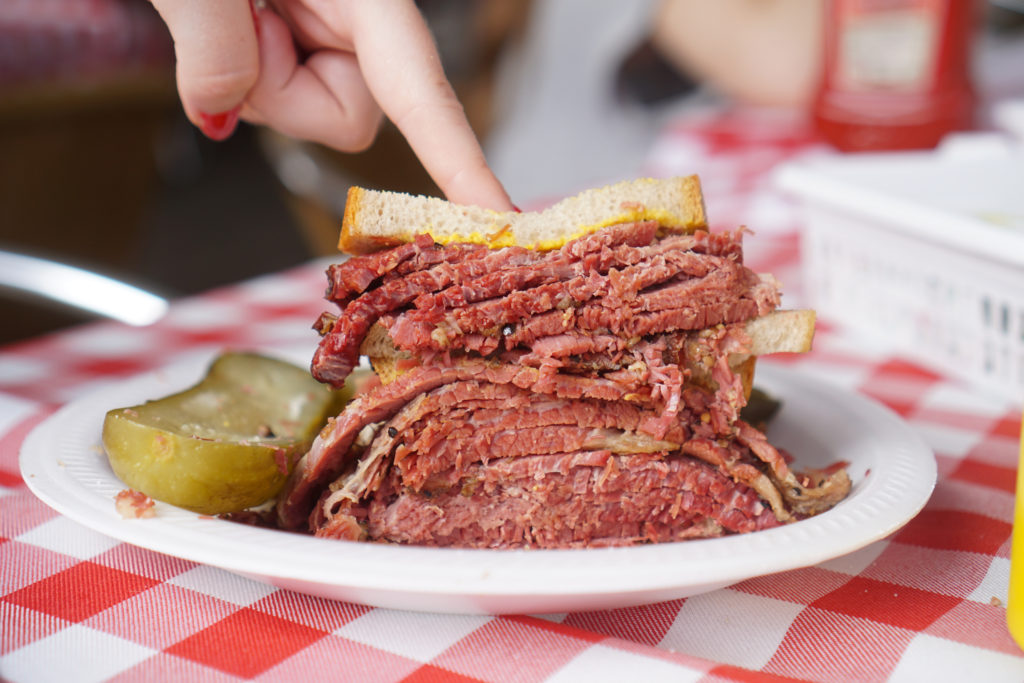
[100, 169]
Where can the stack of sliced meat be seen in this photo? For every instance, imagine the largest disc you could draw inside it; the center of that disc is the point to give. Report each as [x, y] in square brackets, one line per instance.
[586, 396]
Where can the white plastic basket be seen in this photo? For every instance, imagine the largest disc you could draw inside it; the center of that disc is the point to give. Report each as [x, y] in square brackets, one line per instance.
[924, 253]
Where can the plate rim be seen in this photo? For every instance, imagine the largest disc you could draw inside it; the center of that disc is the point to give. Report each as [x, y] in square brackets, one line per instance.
[446, 573]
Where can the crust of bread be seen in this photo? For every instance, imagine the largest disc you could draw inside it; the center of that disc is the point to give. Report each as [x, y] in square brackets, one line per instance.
[384, 356]
[744, 369]
[377, 344]
[376, 219]
[386, 368]
[789, 331]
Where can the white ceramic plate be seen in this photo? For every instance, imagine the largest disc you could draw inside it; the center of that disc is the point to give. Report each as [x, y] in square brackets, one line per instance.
[892, 469]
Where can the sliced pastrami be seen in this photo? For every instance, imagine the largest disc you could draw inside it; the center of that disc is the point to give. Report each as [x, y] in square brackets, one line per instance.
[473, 298]
[567, 500]
[330, 455]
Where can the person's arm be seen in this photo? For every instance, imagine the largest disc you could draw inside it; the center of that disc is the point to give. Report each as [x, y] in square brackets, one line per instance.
[765, 52]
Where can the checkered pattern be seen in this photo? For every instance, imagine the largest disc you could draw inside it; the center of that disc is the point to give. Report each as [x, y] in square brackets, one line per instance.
[927, 603]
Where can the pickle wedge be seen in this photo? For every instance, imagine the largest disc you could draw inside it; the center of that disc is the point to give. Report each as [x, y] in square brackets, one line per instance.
[226, 444]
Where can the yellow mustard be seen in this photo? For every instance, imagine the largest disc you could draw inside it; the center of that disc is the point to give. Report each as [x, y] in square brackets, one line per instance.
[503, 235]
[1015, 600]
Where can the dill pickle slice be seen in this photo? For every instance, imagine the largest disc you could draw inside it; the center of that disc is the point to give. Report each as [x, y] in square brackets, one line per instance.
[226, 444]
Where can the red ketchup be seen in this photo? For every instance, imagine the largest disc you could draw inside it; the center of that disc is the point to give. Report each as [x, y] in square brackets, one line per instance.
[896, 73]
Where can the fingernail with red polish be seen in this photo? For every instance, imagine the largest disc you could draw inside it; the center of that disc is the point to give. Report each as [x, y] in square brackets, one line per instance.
[219, 126]
[516, 209]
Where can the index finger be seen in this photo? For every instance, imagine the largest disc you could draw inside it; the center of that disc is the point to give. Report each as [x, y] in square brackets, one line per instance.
[403, 70]
[216, 52]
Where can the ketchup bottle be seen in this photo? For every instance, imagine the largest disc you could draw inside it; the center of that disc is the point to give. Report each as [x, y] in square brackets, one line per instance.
[897, 73]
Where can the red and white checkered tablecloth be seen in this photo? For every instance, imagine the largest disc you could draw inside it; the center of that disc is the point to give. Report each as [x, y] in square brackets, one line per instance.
[925, 604]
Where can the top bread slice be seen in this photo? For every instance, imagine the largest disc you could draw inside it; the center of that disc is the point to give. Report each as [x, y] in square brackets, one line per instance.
[376, 219]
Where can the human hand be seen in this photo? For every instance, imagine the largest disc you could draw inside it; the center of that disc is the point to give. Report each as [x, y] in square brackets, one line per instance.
[327, 71]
